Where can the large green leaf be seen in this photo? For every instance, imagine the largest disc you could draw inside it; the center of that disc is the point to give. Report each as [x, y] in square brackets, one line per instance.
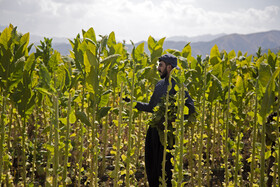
[104, 98]
[90, 34]
[83, 118]
[264, 74]
[111, 40]
[239, 87]
[269, 96]
[54, 61]
[5, 37]
[272, 59]
[187, 51]
[215, 55]
[151, 43]
[23, 44]
[138, 53]
[17, 73]
[102, 112]
[108, 60]
[215, 89]
[45, 78]
[29, 64]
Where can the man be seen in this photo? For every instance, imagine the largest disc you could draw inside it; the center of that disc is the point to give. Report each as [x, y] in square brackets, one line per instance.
[153, 146]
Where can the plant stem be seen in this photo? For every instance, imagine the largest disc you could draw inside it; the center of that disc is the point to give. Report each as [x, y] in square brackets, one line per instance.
[56, 142]
[130, 126]
[35, 145]
[23, 150]
[262, 180]
[237, 157]
[214, 135]
[94, 161]
[165, 138]
[67, 139]
[181, 135]
[208, 145]
[254, 138]
[191, 156]
[105, 135]
[202, 128]
[50, 144]
[278, 138]
[81, 133]
[116, 179]
[227, 130]
[3, 116]
[9, 140]
[177, 147]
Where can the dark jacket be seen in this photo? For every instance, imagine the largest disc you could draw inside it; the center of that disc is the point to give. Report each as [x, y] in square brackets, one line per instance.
[159, 92]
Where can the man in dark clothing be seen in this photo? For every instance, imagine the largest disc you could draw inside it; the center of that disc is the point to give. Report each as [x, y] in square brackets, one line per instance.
[153, 147]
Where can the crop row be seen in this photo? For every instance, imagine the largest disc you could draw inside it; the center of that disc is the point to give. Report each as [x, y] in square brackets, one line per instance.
[64, 122]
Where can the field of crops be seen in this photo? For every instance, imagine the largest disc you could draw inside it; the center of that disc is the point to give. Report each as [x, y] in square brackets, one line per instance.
[64, 122]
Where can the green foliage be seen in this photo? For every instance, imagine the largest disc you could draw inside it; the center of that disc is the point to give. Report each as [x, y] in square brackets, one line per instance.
[63, 121]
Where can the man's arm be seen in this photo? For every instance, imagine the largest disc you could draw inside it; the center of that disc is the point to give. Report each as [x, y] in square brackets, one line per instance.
[148, 107]
[189, 103]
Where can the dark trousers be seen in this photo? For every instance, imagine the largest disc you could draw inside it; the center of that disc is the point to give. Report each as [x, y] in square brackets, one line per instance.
[153, 159]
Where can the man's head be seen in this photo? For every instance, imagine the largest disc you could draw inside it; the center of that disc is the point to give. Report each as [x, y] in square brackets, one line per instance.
[166, 63]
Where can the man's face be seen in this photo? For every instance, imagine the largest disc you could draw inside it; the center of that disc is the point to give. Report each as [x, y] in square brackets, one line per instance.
[162, 69]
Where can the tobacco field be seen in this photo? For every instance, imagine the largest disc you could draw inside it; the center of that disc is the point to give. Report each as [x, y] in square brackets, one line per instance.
[64, 121]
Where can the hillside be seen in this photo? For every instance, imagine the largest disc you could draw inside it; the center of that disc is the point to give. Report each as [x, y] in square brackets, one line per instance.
[201, 45]
[245, 43]
[249, 43]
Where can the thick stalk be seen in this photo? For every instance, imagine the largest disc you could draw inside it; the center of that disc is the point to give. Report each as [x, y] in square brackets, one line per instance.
[177, 147]
[81, 133]
[227, 130]
[50, 144]
[214, 135]
[237, 148]
[23, 132]
[130, 127]
[262, 180]
[237, 157]
[67, 139]
[182, 103]
[105, 135]
[3, 116]
[278, 138]
[276, 166]
[202, 128]
[56, 143]
[35, 145]
[191, 156]
[9, 143]
[114, 127]
[254, 138]
[208, 145]
[116, 179]
[138, 151]
[94, 149]
[165, 138]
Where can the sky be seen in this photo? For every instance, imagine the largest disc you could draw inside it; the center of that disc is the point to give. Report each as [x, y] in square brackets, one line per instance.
[136, 20]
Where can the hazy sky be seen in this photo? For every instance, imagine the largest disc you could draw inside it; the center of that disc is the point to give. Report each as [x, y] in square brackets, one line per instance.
[136, 20]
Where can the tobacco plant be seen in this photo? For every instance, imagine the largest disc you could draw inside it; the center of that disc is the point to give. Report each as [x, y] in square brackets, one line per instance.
[63, 121]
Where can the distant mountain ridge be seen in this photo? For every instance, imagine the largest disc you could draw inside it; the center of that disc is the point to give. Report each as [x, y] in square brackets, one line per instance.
[200, 38]
[201, 45]
[249, 43]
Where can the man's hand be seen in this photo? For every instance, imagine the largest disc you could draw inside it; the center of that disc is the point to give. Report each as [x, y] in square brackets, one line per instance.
[126, 99]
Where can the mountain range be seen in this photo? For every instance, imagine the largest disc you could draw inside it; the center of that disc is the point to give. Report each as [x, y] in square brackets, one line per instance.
[201, 45]
[249, 43]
